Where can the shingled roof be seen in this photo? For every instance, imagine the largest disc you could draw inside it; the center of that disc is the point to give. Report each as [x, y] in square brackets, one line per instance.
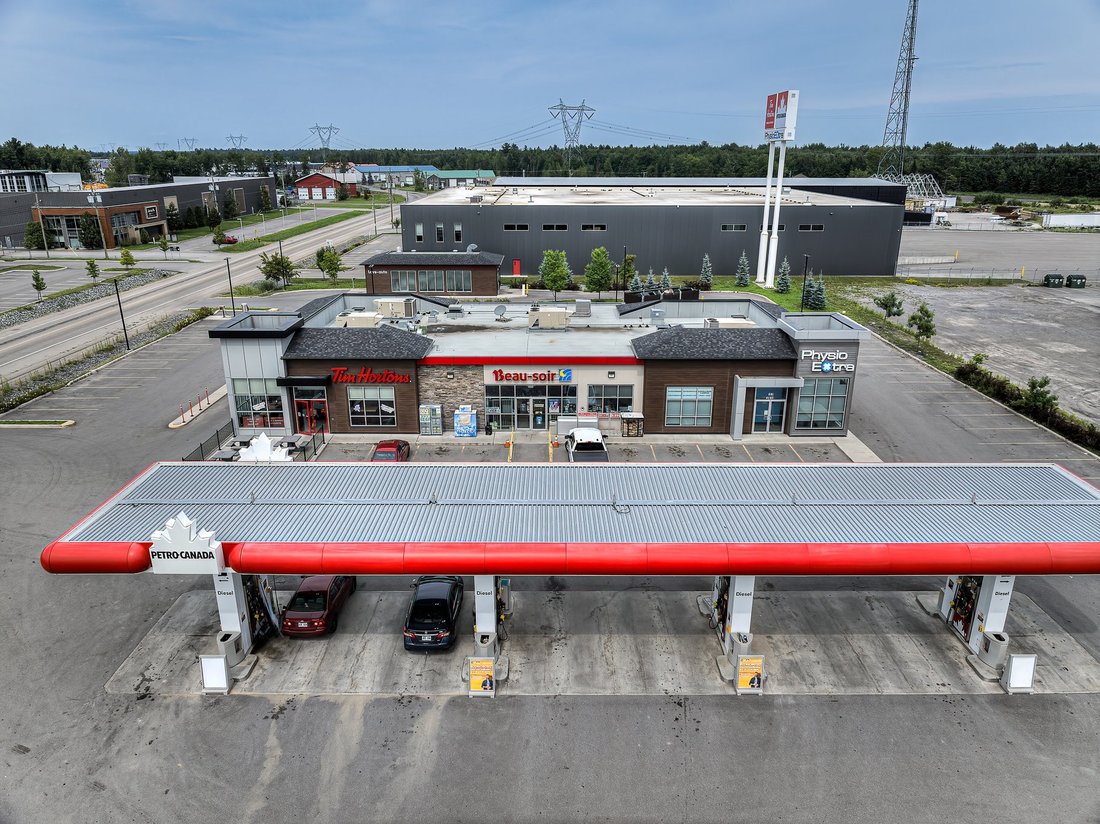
[680, 343]
[380, 342]
[434, 259]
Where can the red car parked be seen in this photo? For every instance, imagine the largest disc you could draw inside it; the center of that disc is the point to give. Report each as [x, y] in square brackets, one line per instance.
[315, 608]
[389, 451]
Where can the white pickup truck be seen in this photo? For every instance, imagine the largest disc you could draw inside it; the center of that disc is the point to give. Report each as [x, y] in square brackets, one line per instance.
[585, 444]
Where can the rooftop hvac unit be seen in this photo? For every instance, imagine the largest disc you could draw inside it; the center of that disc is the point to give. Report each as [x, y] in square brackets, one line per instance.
[454, 309]
[363, 320]
[475, 198]
[584, 308]
[396, 307]
[549, 317]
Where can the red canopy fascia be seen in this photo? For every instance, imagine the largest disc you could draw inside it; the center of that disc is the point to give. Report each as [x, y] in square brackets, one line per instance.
[548, 558]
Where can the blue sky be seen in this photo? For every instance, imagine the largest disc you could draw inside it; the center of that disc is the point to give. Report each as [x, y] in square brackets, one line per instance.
[441, 74]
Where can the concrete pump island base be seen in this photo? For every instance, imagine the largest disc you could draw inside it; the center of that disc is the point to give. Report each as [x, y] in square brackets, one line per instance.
[977, 525]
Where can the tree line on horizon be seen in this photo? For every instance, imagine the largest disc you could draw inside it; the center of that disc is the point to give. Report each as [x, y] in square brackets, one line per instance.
[1025, 168]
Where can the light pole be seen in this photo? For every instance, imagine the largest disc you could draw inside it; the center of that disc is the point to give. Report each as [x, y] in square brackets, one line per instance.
[232, 305]
[240, 220]
[370, 268]
[95, 198]
[805, 268]
[42, 224]
[263, 224]
[124, 333]
[616, 281]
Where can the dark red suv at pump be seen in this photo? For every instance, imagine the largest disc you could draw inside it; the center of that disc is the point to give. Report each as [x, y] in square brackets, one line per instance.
[315, 608]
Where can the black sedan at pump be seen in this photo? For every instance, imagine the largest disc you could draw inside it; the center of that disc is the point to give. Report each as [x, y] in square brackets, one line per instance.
[432, 619]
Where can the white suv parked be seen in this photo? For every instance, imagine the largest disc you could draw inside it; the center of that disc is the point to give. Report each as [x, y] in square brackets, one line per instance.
[585, 444]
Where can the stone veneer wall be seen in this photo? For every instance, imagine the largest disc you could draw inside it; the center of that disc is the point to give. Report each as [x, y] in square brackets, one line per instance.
[466, 387]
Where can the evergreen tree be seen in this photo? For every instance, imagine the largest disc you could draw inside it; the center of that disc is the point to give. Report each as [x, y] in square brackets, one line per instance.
[92, 268]
[219, 236]
[598, 273]
[172, 216]
[265, 200]
[923, 323]
[38, 283]
[742, 276]
[815, 298]
[32, 236]
[706, 274]
[651, 281]
[229, 207]
[783, 279]
[126, 259]
[189, 218]
[554, 271]
[890, 304]
[635, 283]
[666, 279]
[630, 273]
[88, 231]
[213, 218]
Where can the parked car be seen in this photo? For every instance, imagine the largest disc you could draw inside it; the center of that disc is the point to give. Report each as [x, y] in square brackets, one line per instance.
[390, 451]
[584, 444]
[315, 608]
[432, 619]
[229, 240]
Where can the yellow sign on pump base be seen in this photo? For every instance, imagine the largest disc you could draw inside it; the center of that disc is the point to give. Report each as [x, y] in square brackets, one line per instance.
[750, 674]
[482, 680]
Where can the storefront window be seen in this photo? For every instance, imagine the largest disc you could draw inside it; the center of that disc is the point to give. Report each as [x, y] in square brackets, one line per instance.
[459, 280]
[430, 280]
[259, 403]
[402, 280]
[371, 406]
[821, 403]
[610, 398]
[520, 406]
[688, 405]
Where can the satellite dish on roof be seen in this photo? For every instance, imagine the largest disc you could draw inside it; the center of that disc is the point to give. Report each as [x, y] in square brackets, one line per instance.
[472, 247]
[500, 311]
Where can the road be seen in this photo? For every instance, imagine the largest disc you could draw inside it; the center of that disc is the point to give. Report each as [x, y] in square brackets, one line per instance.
[29, 347]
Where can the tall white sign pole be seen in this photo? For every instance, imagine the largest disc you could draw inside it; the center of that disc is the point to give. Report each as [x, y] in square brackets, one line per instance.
[762, 254]
[773, 241]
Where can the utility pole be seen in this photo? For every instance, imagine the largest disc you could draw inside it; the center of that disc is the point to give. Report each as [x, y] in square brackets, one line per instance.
[42, 224]
[324, 134]
[232, 305]
[125, 334]
[571, 119]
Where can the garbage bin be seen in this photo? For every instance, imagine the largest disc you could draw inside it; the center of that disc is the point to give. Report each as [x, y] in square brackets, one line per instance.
[1054, 280]
[488, 427]
[1075, 281]
[993, 649]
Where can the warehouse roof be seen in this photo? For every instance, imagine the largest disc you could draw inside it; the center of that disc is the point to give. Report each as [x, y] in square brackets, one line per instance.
[381, 342]
[688, 343]
[886, 519]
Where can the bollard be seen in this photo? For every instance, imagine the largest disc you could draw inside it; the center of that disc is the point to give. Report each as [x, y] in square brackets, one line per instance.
[198, 397]
[207, 395]
[181, 412]
[190, 409]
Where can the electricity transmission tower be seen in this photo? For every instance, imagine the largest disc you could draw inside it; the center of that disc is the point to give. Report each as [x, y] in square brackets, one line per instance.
[160, 147]
[189, 142]
[571, 119]
[236, 140]
[892, 165]
[324, 134]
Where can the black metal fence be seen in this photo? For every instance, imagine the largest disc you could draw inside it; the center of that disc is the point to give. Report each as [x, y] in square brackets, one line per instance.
[211, 445]
[203, 452]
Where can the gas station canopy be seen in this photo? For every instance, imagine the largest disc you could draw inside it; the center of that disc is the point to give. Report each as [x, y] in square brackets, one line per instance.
[611, 519]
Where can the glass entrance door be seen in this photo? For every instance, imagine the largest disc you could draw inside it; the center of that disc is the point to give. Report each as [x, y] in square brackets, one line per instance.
[538, 413]
[310, 411]
[523, 413]
[769, 410]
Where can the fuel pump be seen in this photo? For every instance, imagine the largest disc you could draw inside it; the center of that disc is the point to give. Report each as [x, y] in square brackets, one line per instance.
[976, 607]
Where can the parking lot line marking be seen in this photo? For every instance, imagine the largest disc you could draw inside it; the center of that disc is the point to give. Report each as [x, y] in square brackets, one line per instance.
[795, 451]
[700, 450]
[653, 452]
[748, 454]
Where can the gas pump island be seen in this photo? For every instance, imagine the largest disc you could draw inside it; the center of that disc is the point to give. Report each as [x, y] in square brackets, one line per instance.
[978, 525]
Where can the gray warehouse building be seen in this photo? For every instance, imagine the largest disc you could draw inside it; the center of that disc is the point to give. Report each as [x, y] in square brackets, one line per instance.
[848, 226]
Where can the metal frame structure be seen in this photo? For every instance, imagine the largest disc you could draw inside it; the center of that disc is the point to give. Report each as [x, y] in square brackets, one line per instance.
[892, 164]
[571, 119]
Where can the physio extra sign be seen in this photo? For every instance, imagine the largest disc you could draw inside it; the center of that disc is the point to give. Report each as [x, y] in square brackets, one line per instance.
[826, 361]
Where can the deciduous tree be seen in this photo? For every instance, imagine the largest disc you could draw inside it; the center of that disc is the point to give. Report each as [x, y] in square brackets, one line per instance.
[278, 267]
[598, 273]
[554, 270]
[38, 283]
[92, 268]
[126, 259]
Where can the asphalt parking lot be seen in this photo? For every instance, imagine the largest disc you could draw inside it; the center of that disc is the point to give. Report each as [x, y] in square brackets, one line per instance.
[82, 744]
